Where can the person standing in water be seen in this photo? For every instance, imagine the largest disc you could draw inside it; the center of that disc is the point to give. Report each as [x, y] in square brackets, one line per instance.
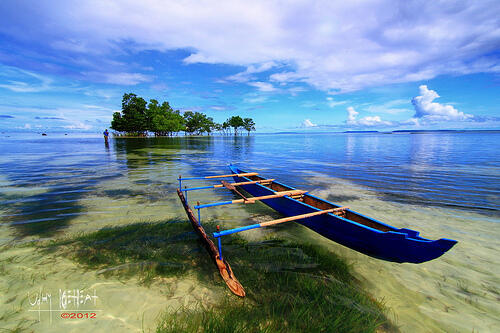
[106, 135]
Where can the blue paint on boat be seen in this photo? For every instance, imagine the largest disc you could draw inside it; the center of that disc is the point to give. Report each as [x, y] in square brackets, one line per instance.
[235, 230]
[221, 203]
[366, 235]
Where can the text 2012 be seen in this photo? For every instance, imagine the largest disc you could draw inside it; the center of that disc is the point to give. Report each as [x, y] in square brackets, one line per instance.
[78, 315]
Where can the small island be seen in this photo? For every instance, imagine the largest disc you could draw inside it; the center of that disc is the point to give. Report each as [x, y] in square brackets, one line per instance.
[138, 118]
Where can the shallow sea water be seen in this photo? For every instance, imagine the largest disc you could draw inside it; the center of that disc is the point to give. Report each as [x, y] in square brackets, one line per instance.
[441, 184]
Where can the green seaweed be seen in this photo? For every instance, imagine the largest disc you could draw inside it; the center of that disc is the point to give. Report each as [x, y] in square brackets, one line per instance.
[290, 286]
[145, 249]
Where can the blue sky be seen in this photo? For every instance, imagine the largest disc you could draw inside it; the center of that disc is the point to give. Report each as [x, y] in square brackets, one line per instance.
[300, 65]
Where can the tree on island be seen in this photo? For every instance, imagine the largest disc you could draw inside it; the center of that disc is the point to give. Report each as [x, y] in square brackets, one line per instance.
[138, 117]
[163, 120]
[248, 125]
[133, 118]
[198, 123]
[235, 122]
[218, 127]
[225, 126]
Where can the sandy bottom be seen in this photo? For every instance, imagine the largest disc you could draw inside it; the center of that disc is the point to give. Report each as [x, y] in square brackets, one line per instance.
[31, 281]
[458, 292]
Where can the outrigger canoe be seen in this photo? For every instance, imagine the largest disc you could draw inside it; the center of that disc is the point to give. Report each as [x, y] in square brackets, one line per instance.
[335, 222]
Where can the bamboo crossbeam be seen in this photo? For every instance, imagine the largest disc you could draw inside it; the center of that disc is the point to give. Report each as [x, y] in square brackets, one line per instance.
[252, 199]
[302, 216]
[282, 220]
[234, 184]
[234, 175]
[247, 183]
[247, 174]
[272, 196]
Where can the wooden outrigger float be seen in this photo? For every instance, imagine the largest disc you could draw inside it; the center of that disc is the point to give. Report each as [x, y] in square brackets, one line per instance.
[335, 222]
[224, 268]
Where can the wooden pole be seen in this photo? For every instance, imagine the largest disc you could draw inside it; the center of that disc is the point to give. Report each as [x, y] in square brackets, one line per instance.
[219, 234]
[303, 216]
[252, 199]
[247, 183]
[234, 175]
[224, 269]
[271, 196]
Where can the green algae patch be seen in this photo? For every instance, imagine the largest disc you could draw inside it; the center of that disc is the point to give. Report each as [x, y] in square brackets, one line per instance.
[143, 250]
[290, 286]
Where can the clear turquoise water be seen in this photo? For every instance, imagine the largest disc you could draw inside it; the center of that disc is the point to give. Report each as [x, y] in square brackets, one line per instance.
[460, 170]
[443, 184]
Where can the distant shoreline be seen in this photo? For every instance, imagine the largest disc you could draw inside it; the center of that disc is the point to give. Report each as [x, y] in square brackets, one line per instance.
[50, 134]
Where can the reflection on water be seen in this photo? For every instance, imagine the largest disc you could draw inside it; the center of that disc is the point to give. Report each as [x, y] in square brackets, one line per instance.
[443, 184]
[444, 169]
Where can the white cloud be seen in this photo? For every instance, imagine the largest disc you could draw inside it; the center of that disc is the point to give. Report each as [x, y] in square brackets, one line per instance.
[428, 111]
[307, 123]
[351, 115]
[263, 86]
[331, 45]
[284, 77]
[86, 117]
[332, 103]
[294, 91]
[368, 121]
[246, 75]
[222, 107]
[98, 108]
[78, 125]
[392, 107]
[25, 81]
[122, 78]
[255, 99]
[101, 93]
[372, 121]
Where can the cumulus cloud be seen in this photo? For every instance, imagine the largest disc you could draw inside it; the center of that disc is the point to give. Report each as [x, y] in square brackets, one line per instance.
[351, 115]
[307, 123]
[369, 121]
[427, 110]
[334, 46]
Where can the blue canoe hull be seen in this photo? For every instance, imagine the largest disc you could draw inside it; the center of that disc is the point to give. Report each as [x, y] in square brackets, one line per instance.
[367, 236]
